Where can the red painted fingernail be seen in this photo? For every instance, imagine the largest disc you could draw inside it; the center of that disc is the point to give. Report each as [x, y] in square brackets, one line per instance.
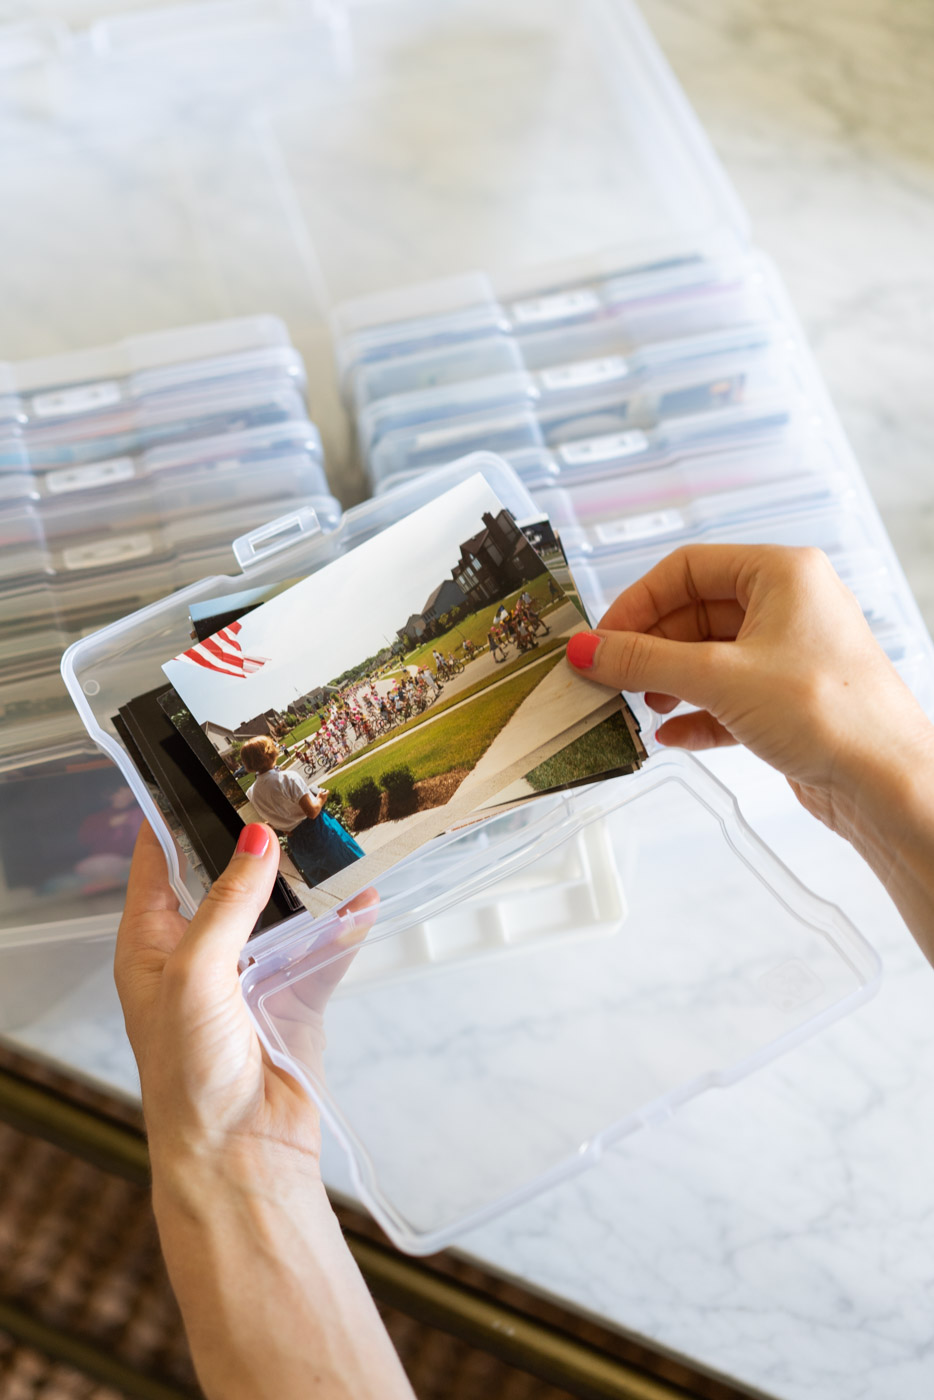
[253, 840]
[581, 650]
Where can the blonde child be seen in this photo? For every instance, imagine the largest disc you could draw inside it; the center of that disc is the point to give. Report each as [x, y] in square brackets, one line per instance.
[318, 845]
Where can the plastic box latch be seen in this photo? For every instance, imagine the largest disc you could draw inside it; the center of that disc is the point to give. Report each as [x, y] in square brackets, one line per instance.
[281, 533]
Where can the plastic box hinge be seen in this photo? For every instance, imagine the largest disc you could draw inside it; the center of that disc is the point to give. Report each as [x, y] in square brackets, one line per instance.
[281, 533]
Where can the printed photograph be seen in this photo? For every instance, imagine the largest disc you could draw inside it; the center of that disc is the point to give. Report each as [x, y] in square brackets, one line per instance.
[407, 683]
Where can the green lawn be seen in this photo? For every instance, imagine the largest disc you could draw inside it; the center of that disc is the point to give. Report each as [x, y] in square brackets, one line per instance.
[607, 746]
[509, 667]
[302, 731]
[476, 625]
[458, 741]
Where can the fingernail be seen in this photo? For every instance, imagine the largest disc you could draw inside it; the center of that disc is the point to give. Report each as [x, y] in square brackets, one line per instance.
[253, 840]
[582, 649]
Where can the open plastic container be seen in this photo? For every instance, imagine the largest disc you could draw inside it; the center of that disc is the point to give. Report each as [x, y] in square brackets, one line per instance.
[534, 987]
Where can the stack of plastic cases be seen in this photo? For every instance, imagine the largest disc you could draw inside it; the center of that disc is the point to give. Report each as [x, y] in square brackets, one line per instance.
[590, 1017]
[700, 416]
[125, 472]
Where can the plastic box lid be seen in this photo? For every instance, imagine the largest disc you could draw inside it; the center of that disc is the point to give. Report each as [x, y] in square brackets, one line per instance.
[534, 988]
[158, 208]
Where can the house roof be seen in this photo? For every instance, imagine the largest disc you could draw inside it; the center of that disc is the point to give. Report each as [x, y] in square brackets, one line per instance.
[472, 545]
[436, 593]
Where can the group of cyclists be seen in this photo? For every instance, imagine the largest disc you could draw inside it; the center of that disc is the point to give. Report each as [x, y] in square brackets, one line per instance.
[448, 666]
[520, 626]
[362, 712]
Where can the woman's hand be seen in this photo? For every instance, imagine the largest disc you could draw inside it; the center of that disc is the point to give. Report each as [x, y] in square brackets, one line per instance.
[272, 1300]
[207, 1088]
[775, 654]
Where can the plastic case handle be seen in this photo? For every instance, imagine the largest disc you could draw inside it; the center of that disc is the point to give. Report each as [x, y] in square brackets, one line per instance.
[281, 533]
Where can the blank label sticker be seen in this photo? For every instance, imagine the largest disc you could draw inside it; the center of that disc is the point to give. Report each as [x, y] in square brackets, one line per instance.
[563, 306]
[641, 527]
[583, 373]
[86, 478]
[606, 448]
[104, 552]
[84, 398]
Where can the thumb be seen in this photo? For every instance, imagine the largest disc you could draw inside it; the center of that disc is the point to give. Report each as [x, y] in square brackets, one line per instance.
[639, 661]
[228, 913]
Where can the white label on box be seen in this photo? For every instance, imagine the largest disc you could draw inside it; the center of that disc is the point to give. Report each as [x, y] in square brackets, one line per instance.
[85, 478]
[441, 437]
[104, 552]
[562, 306]
[583, 373]
[84, 398]
[641, 527]
[603, 449]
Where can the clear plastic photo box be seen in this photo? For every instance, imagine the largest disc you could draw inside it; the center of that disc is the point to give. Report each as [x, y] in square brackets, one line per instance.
[534, 987]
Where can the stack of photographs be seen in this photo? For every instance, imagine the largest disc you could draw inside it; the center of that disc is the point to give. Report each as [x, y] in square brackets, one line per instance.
[126, 472]
[363, 711]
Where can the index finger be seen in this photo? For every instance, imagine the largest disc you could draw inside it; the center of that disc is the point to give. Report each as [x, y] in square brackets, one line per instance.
[694, 573]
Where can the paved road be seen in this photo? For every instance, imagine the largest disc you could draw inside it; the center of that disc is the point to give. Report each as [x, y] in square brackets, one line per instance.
[563, 620]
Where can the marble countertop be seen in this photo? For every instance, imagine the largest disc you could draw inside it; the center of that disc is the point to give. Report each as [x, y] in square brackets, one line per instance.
[780, 1232]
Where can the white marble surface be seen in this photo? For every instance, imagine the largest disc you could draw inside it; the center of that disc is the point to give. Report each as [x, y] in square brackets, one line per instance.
[823, 115]
[782, 1231]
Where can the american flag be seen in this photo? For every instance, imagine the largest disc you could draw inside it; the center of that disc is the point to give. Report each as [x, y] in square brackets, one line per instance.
[223, 653]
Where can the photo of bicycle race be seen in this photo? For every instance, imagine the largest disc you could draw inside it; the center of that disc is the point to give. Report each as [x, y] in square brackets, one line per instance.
[453, 654]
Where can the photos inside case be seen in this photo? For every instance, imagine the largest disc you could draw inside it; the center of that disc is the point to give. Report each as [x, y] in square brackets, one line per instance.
[410, 686]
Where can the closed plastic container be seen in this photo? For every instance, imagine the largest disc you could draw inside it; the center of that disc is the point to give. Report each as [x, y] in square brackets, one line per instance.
[585, 400]
[569, 386]
[616, 316]
[593, 517]
[205, 475]
[160, 419]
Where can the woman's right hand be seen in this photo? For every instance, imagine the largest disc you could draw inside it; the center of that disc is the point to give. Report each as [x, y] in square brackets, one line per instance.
[775, 654]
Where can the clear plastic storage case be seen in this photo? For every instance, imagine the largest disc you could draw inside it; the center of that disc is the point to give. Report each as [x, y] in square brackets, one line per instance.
[531, 942]
[128, 471]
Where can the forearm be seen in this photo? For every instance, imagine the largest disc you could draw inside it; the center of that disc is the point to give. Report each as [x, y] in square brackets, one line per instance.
[272, 1300]
[891, 824]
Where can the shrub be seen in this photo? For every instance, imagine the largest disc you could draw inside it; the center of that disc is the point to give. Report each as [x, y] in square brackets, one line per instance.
[400, 785]
[365, 797]
[335, 808]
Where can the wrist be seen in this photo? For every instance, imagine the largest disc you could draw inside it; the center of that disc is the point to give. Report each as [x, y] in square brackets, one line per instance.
[272, 1301]
[888, 817]
[192, 1178]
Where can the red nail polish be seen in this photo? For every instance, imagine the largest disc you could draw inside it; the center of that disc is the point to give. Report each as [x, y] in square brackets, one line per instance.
[253, 840]
[582, 649]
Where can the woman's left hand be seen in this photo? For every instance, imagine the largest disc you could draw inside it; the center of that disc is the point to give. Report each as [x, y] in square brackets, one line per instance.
[252, 1245]
[207, 1087]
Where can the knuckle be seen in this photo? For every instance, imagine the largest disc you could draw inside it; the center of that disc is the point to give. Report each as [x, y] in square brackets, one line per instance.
[812, 562]
[229, 891]
[630, 657]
